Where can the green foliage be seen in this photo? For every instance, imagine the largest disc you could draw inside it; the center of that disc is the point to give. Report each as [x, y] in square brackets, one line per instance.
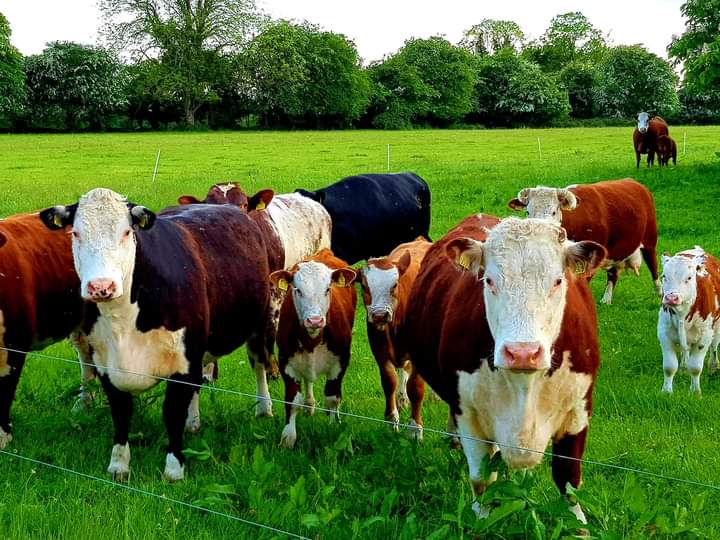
[631, 79]
[12, 76]
[579, 81]
[699, 107]
[491, 35]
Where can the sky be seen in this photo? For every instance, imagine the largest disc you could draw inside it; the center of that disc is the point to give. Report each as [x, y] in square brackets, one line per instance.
[380, 27]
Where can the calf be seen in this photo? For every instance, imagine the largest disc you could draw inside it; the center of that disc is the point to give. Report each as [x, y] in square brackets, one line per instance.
[385, 285]
[645, 136]
[688, 321]
[373, 213]
[667, 149]
[165, 290]
[619, 214]
[315, 332]
[503, 328]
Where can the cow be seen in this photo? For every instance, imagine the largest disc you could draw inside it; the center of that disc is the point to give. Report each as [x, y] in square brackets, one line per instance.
[503, 327]
[315, 333]
[645, 136]
[666, 148]
[373, 213]
[40, 302]
[689, 318]
[619, 214]
[166, 291]
[385, 284]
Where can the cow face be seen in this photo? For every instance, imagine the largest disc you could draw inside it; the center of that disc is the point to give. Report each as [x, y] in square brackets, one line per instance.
[103, 240]
[544, 203]
[233, 194]
[379, 287]
[679, 282]
[525, 266]
[311, 282]
[643, 120]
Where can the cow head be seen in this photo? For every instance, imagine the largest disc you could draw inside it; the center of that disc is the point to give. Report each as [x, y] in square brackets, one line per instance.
[643, 119]
[104, 225]
[232, 193]
[544, 202]
[379, 287]
[680, 275]
[525, 266]
[311, 282]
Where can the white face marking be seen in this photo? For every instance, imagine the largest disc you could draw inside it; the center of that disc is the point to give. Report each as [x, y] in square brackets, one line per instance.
[642, 123]
[679, 285]
[543, 203]
[311, 292]
[225, 188]
[382, 288]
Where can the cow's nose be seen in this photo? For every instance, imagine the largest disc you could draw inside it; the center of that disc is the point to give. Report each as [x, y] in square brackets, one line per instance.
[523, 355]
[380, 316]
[101, 289]
[314, 322]
[671, 299]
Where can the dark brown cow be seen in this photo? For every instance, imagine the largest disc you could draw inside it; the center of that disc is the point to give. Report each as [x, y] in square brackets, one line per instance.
[315, 332]
[619, 214]
[667, 148]
[503, 328]
[645, 136]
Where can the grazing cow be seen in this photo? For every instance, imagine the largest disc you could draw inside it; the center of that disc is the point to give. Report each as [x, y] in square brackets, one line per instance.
[689, 318]
[386, 285]
[645, 136]
[373, 213]
[504, 329]
[39, 301]
[619, 214]
[315, 332]
[166, 290]
[667, 148]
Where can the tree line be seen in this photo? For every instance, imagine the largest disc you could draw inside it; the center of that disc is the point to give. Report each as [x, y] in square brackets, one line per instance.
[221, 64]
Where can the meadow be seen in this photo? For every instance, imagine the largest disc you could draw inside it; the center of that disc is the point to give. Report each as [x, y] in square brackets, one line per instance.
[358, 479]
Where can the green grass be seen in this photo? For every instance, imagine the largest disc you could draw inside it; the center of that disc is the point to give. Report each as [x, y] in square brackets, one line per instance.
[360, 479]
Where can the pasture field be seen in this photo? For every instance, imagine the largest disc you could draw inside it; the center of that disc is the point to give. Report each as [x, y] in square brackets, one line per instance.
[359, 479]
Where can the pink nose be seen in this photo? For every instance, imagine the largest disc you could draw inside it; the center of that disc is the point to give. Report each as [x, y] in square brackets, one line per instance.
[380, 317]
[523, 355]
[101, 289]
[314, 322]
[671, 299]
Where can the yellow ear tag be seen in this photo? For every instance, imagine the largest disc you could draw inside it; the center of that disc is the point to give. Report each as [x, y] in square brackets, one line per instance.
[464, 261]
[580, 267]
[341, 281]
[282, 285]
[57, 220]
[260, 206]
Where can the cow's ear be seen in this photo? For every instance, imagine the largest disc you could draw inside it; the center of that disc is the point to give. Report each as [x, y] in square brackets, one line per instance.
[665, 257]
[282, 279]
[3, 239]
[567, 199]
[261, 199]
[58, 217]
[516, 204]
[404, 263]
[343, 277]
[188, 199]
[466, 253]
[142, 217]
[583, 258]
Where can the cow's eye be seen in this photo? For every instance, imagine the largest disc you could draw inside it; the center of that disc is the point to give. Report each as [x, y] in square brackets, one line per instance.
[688, 279]
[76, 235]
[558, 282]
[126, 234]
[327, 291]
[298, 292]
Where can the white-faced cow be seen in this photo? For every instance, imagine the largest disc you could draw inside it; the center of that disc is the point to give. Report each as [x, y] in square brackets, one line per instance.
[645, 136]
[166, 290]
[503, 328]
[689, 318]
[315, 332]
[373, 213]
[619, 214]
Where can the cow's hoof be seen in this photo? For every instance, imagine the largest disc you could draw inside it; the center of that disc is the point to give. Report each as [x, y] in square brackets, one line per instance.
[263, 408]
[174, 470]
[481, 511]
[192, 424]
[455, 443]
[119, 467]
[83, 402]
[393, 420]
[415, 431]
[5, 438]
[288, 438]
[273, 368]
[310, 407]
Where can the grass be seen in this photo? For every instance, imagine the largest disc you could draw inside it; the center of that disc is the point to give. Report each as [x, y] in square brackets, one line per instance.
[359, 479]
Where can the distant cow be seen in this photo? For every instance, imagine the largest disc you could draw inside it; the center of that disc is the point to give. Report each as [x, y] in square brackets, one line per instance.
[618, 214]
[166, 290]
[689, 318]
[667, 148]
[503, 328]
[315, 332]
[386, 283]
[373, 213]
[646, 134]
[39, 301]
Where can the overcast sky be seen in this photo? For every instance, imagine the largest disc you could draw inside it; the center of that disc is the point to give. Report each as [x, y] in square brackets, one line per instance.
[379, 27]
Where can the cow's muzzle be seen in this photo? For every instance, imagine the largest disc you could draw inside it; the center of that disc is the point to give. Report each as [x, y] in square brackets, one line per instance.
[523, 356]
[101, 290]
[672, 299]
[315, 323]
[380, 317]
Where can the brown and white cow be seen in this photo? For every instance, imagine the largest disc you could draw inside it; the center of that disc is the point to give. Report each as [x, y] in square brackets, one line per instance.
[39, 301]
[315, 332]
[386, 283]
[618, 214]
[689, 318]
[667, 149]
[503, 328]
[645, 136]
[165, 290]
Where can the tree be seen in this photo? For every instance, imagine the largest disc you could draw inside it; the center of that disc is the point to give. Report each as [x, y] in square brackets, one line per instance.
[632, 79]
[72, 86]
[12, 76]
[579, 80]
[190, 37]
[491, 35]
[699, 46]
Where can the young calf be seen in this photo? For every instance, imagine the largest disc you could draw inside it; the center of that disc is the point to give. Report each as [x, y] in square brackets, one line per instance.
[315, 332]
[386, 284]
[666, 149]
[688, 318]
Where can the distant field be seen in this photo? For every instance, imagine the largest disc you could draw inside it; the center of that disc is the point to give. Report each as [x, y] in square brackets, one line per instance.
[359, 479]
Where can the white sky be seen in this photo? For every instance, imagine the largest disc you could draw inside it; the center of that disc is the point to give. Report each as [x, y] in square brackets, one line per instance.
[379, 27]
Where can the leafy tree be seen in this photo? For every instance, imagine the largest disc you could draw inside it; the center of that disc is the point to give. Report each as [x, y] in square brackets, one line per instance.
[699, 46]
[72, 86]
[12, 76]
[149, 98]
[632, 79]
[579, 81]
[190, 37]
[491, 35]
[699, 107]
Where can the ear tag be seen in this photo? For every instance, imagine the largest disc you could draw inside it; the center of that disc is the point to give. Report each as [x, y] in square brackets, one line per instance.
[143, 221]
[282, 285]
[464, 261]
[580, 267]
[57, 220]
[260, 206]
[341, 281]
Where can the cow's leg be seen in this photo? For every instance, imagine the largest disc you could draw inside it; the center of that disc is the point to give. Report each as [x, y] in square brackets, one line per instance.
[416, 394]
[11, 365]
[333, 392]
[121, 409]
[210, 368]
[696, 361]
[178, 397]
[79, 342]
[309, 398]
[404, 375]
[651, 157]
[389, 381]
[670, 361]
[475, 451]
[713, 364]
[612, 277]
[637, 159]
[650, 258]
[293, 397]
[567, 471]
[453, 428]
[192, 422]
[258, 356]
[276, 300]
